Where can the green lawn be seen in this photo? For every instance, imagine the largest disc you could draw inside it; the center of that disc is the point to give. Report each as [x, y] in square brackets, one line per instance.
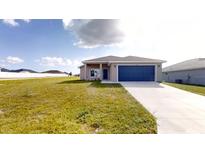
[191, 88]
[68, 105]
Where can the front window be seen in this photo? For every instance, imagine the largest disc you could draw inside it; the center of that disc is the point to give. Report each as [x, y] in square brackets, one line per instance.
[94, 73]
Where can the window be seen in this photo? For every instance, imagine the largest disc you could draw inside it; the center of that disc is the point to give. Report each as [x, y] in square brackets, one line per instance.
[94, 73]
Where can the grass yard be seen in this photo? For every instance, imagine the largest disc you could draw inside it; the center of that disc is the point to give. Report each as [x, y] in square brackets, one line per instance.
[191, 88]
[68, 105]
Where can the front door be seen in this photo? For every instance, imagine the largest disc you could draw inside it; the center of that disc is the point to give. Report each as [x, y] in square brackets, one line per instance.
[105, 74]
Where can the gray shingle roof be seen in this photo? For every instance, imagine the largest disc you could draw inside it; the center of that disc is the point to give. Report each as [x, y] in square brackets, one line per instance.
[197, 63]
[123, 59]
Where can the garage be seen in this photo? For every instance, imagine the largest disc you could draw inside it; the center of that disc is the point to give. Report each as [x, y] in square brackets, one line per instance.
[136, 73]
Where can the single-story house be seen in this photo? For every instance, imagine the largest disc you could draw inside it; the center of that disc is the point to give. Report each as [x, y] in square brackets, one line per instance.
[114, 69]
[188, 72]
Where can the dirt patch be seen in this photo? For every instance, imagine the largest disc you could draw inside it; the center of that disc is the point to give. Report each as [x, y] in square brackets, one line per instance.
[1, 112]
[91, 91]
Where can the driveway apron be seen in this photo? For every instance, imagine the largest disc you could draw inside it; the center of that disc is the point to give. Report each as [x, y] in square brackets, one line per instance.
[176, 111]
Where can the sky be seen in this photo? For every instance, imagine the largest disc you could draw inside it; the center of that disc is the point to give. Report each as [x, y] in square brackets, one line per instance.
[62, 44]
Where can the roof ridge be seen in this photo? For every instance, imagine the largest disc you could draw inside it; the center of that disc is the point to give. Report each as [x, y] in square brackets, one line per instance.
[123, 59]
[201, 58]
[141, 57]
[189, 64]
[182, 62]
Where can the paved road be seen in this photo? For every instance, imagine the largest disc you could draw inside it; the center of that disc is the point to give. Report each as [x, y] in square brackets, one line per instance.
[177, 111]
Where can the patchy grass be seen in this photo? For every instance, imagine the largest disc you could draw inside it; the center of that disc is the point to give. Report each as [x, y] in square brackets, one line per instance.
[68, 105]
[191, 88]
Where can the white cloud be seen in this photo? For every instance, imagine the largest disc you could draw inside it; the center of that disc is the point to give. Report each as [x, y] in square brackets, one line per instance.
[96, 32]
[67, 23]
[68, 61]
[57, 61]
[26, 20]
[14, 60]
[52, 61]
[13, 22]
[2, 63]
[173, 37]
[76, 62]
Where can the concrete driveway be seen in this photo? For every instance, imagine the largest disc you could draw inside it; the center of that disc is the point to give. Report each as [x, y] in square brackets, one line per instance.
[177, 111]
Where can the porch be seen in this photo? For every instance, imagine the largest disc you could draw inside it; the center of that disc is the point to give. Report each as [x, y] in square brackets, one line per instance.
[97, 72]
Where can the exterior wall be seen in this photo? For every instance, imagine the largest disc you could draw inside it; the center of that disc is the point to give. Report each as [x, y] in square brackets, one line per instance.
[159, 72]
[188, 77]
[113, 71]
[82, 73]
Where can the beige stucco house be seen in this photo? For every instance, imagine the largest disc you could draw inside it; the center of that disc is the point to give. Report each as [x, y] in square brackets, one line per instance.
[115, 69]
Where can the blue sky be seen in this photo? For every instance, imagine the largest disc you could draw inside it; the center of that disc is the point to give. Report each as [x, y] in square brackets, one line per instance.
[33, 40]
[62, 44]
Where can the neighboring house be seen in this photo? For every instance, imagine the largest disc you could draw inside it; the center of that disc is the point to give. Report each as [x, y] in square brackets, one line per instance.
[0, 69]
[189, 72]
[116, 69]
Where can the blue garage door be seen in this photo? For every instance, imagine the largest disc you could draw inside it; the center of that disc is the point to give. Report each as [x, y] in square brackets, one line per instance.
[136, 73]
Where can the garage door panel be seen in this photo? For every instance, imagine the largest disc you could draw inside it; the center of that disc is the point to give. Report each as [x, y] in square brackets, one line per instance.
[136, 73]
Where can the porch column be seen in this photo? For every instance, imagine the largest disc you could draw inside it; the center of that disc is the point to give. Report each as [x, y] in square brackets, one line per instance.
[85, 73]
[101, 72]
